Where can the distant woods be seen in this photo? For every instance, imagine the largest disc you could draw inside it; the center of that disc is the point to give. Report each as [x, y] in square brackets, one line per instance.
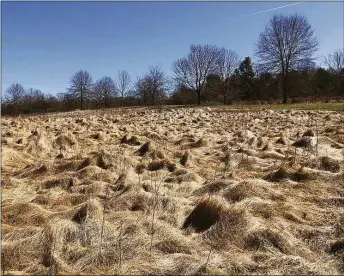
[284, 70]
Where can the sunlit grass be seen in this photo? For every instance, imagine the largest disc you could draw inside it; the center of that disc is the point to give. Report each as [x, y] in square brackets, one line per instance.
[296, 106]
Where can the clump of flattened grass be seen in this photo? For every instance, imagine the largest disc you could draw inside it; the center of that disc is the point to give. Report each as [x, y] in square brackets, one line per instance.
[309, 133]
[329, 164]
[97, 136]
[133, 201]
[120, 185]
[251, 188]
[146, 147]
[172, 246]
[281, 141]
[266, 147]
[91, 209]
[65, 140]
[64, 183]
[260, 141]
[156, 165]
[284, 173]
[303, 142]
[206, 213]
[139, 169]
[133, 140]
[228, 229]
[103, 160]
[337, 246]
[198, 144]
[157, 154]
[160, 164]
[267, 237]
[86, 162]
[124, 139]
[211, 188]
[185, 158]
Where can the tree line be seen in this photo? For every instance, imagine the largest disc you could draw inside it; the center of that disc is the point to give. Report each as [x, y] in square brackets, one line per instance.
[285, 69]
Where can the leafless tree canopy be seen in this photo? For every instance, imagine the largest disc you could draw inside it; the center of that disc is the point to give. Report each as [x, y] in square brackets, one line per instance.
[153, 86]
[103, 90]
[193, 70]
[15, 93]
[287, 43]
[123, 84]
[228, 62]
[335, 62]
[80, 86]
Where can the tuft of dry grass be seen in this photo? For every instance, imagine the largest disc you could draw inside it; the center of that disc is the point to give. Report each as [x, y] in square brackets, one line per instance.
[206, 213]
[90, 210]
[264, 238]
[329, 164]
[283, 173]
[337, 246]
[146, 147]
[308, 133]
[212, 188]
[185, 158]
[304, 142]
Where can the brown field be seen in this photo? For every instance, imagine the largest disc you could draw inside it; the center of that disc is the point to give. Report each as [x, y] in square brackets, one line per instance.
[173, 191]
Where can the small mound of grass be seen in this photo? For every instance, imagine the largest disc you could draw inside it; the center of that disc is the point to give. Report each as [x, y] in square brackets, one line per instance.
[284, 173]
[267, 237]
[90, 210]
[329, 164]
[303, 142]
[337, 246]
[172, 246]
[211, 188]
[206, 213]
[146, 147]
[308, 133]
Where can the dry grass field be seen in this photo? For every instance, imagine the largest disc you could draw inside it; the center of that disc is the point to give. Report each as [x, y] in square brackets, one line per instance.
[173, 191]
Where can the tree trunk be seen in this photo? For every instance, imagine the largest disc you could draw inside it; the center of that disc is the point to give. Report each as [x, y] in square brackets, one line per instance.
[225, 99]
[199, 97]
[81, 100]
[285, 88]
[122, 101]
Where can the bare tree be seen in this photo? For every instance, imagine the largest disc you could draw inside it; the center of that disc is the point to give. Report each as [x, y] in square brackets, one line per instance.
[103, 90]
[153, 86]
[34, 99]
[80, 86]
[228, 62]
[123, 84]
[335, 62]
[193, 70]
[287, 43]
[14, 95]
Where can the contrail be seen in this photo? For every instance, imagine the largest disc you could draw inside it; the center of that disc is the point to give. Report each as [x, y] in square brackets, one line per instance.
[281, 7]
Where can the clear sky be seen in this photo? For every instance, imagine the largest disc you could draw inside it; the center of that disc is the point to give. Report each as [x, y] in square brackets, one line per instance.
[44, 43]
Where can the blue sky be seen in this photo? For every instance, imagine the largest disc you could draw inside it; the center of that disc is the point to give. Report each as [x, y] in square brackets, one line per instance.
[44, 43]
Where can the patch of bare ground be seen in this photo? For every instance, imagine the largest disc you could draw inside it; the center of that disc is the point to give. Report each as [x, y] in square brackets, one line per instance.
[196, 191]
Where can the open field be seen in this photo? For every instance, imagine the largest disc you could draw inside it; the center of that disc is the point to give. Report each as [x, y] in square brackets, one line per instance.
[296, 106]
[174, 191]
